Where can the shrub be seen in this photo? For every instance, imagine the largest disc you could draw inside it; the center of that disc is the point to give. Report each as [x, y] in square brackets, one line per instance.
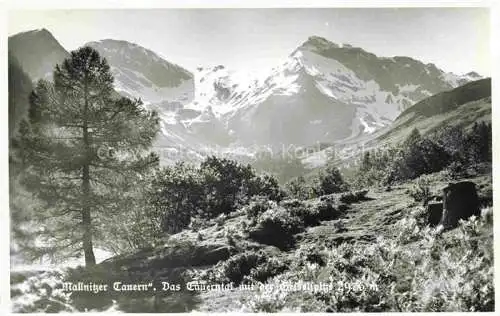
[421, 191]
[374, 168]
[310, 253]
[329, 181]
[276, 227]
[223, 182]
[235, 268]
[326, 210]
[258, 205]
[457, 170]
[197, 224]
[219, 186]
[353, 196]
[454, 140]
[307, 214]
[423, 157]
[311, 212]
[267, 269]
[267, 185]
[420, 155]
[176, 194]
[298, 188]
[229, 185]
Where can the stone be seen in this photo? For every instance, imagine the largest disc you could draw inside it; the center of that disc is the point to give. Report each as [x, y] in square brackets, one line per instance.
[460, 201]
[434, 213]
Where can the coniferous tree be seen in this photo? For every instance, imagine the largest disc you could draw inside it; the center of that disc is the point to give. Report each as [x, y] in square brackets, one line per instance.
[87, 148]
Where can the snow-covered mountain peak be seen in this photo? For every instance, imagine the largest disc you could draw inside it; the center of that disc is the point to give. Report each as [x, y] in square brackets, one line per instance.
[141, 73]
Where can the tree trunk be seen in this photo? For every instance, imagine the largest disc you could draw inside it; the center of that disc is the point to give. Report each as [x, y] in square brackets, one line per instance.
[87, 239]
[86, 212]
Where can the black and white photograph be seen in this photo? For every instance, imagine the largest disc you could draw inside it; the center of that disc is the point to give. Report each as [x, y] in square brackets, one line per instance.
[248, 158]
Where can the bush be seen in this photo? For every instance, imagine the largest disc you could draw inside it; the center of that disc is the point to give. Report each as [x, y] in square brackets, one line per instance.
[422, 157]
[197, 224]
[457, 170]
[229, 185]
[267, 269]
[298, 188]
[177, 194]
[276, 227]
[248, 266]
[223, 183]
[421, 191]
[329, 181]
[419, 155]
[219, 186]
[263, 185]
[307, 214]
[311, 212]
[45, 292]
[235, 268]
[258, 205]
[310, 253]
[353, 197]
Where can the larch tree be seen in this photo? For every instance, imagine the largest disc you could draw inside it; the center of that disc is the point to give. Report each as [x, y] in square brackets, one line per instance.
[86, 149]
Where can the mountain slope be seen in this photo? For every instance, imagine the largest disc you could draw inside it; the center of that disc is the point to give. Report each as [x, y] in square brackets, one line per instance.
[327, 92]
[389, 73]
[323, 92]
[461, 106]
[450, 100]
[37, 52]
[20, 87]
[141, 73]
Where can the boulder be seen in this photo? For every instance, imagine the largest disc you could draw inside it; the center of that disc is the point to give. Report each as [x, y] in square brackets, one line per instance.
[460, 201]
[172, 256]
[210, 255]
[434, 213]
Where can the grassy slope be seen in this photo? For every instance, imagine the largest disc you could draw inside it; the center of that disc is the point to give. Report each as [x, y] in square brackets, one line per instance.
[464, 115]
[461, 106]
[363, 222]
[360, 225]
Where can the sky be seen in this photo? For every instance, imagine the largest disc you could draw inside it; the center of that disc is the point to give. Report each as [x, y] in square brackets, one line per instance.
[455, 39]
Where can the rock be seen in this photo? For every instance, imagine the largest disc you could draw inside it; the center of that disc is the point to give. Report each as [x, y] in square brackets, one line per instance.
[434, 213]
[173, 256]
[460, 201]
[210, 255]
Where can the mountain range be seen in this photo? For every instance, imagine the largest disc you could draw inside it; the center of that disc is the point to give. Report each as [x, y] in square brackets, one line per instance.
[322, 92]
